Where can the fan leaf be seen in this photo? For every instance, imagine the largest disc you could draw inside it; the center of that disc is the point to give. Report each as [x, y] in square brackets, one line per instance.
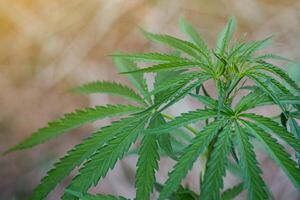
[137, 80]
[170, 66]
[151, 57]
[207, 101]
[232, 192]
[93, 197]
[76, 156]
[225, 35]
[278, 72]
[215, 168]
[178, 44]
[182, 120]
[188, 29]
[277, 152]
[258, 97]
[190, 154]
[106, 157]
[146, 167]
[272, 57]
[276, 129]
[110, 88]
[263, 86]
[251, 172]
[71, 121]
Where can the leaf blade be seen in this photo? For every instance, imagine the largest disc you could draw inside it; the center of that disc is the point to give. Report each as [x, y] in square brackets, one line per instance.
[71, 121]
[178, 44]
[225, 35]
[76, 156]
[151, 57]
[188, 29]
[215, 168]
[278, 130]
[277, 152]
[146, 167]
[233, 192]
[138, 81]
[93, 197]
[106, 157]
[169, 66]
[108, 88]
[183, 119]
[191, 153]
[251, 172]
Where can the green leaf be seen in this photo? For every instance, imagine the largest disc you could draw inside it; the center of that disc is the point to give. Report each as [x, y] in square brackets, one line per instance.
[207, 101]
[151, 57]
[178, 80]
[273, 83]
[293, 70]
[251, 100]
[215, 168]
[272, 56]
[71, 121]
[178, 44]
[263, 86]
[250, 47]
[253, 181]
[190, 154]
[180, 94]
[180, 194]
[184, 193]
[137, 80]
[258, 97]
[234, 169]
[188, 29]
[277, 87]
[174, 94]
[147, 165]
[295, 129]
[225, 35]
[278, 72]
[93, 197]
[110, 88]
[235, 51]
[106, 157]
[295, 114]
[278, 130]
[165, 80]
[76, 156]
[232, 192]
[277, 152]
[182, 120]
[170, 66]
[166, 97]
[164, 140]
[274, 89]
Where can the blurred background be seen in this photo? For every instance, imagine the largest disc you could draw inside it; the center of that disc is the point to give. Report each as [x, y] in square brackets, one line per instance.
[48, 46]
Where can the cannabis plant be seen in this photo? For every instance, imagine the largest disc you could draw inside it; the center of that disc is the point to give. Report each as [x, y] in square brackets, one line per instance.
[222, 131]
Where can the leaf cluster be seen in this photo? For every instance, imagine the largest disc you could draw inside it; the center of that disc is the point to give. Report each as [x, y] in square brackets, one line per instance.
[225, 141]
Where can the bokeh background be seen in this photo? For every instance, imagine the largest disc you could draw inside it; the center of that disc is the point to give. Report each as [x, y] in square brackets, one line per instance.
[48, 46]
